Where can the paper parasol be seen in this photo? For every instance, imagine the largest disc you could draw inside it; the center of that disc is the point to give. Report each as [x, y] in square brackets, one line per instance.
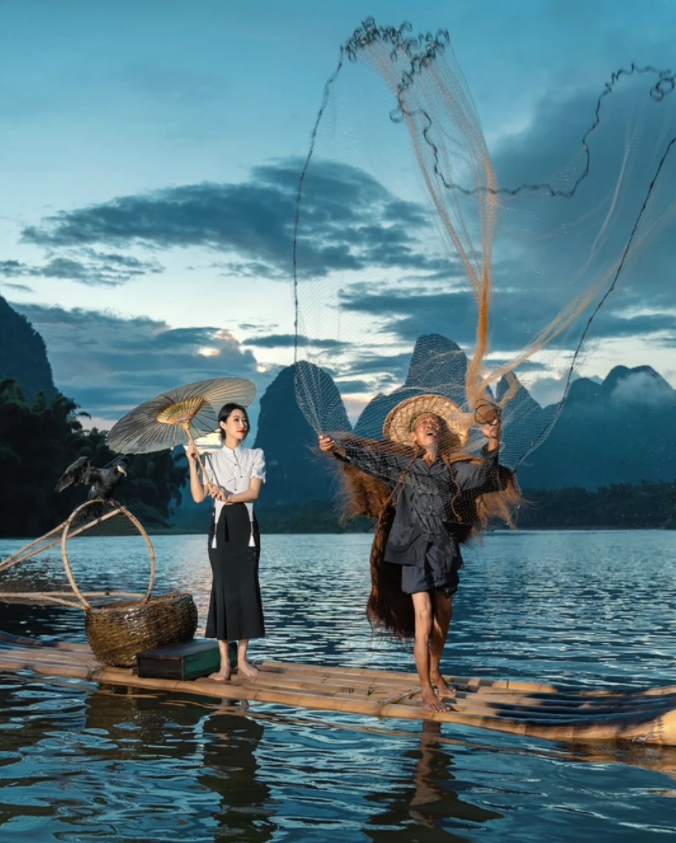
[172, 418]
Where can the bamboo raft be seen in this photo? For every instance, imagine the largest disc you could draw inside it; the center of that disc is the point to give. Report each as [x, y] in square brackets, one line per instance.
[554, 712]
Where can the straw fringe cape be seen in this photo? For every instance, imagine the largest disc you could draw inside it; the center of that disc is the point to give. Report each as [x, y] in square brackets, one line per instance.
[388, 606]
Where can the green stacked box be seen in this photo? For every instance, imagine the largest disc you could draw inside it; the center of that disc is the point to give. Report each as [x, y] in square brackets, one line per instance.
[188, 660]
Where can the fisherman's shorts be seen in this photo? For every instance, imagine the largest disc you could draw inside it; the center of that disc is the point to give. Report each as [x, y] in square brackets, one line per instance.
[431, 577]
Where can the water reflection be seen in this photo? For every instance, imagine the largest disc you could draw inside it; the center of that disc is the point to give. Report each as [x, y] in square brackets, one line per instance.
[660, 759]
[431, 801]
[205, 757]
[231, 771]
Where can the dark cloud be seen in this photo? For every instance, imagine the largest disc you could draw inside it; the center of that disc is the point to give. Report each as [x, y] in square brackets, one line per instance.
[352, 226]
[109, 364]
[12, 269]
[569, 242]
[549, 249]
[391, 369]
[251, 269]
[411, 313]
[89, 267]
[289, 340]
[349, 221]
[21, 288]
[517, 317]
[527, 366]
[626, 325]
[355, 385]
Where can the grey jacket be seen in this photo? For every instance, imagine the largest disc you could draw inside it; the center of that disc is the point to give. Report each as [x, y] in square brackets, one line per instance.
[428, 500]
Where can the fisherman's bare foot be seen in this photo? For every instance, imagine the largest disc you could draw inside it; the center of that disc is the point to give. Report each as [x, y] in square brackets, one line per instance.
[445, 690]
[247, 669]
[431, 702]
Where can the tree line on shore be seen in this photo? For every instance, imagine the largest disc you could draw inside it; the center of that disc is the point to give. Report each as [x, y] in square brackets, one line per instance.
[39, 439]
[644, 506]
[634, 506]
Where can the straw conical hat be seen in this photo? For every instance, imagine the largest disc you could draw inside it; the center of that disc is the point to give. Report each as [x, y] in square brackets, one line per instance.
[398, 423]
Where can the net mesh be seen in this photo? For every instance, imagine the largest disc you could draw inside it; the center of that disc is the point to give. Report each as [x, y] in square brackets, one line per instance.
[418, 272]
[101, 551]
[407, 248]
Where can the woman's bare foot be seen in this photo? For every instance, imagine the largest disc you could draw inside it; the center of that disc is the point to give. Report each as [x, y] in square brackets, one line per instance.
[431, 702]
[221, 675]
[445, 690]
[247, 669]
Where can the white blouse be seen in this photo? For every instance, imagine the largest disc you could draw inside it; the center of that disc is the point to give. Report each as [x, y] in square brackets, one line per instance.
[231, 469]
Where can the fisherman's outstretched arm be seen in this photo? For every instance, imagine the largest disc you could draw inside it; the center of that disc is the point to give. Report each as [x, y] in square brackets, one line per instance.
[482, 477]
[367, 455]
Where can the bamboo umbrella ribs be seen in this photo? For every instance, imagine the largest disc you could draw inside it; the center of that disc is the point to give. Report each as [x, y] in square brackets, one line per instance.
[175, 417]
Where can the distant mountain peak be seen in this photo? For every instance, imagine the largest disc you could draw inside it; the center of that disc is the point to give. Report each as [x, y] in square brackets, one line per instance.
[639, 385]
[436, 360]
[299, 472]
[23, 355]
[621, 373]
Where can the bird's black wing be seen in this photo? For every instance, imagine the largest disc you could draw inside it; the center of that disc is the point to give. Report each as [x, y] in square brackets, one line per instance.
[74, 474]
[102, 482]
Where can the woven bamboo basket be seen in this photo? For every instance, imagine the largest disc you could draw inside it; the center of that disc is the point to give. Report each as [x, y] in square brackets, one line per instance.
[119, 631]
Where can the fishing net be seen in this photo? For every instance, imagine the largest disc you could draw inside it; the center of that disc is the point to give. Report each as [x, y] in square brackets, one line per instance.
[426, 262]
[434, 271]
[102, 551]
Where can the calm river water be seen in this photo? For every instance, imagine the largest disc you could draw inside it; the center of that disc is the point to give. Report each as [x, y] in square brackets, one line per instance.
[79, 763]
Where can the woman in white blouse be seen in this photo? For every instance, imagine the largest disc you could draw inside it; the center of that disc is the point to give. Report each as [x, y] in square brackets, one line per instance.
[236, 474]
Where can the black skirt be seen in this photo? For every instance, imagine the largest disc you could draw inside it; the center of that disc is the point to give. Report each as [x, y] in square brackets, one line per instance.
[235, 608]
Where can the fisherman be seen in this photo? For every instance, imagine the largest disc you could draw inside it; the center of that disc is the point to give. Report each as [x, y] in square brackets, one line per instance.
[430, 509]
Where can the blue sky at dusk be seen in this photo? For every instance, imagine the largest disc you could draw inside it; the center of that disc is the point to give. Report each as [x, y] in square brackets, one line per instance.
[148, 152]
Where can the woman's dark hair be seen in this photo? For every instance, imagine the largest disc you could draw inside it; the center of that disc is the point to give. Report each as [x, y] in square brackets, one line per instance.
[224, 414]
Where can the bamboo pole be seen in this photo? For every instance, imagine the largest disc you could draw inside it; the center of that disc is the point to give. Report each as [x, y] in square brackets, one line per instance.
[660, 731]
[357, 677]
[12, 560]
[39, 597]
[583, 704]
[25, 641]
[380, 681]
[55, 657]
[503, 684]
[479, 685]
[118, 509]
[52, 664]
[375, 677]
[542, 704]
[524, 710]
[48, 594]
[523, 707]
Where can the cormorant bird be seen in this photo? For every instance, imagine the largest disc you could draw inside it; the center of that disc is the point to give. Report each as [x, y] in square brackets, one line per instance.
[102, 482]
